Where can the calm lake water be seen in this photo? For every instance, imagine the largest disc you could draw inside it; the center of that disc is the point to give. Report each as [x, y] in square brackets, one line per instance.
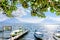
[48, 30]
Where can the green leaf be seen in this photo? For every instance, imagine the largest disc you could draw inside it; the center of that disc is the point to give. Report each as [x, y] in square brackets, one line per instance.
[8, 13]
[36, 6]
[52, 10]
[24, 4]
[2, 0]
[27, 0]
[21, 1]
[57, 13]
[42, 15]
[33, 13]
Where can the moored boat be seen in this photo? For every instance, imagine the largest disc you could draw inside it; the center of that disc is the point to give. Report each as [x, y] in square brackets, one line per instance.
[56, 36]
[38, 35]
[18, 33]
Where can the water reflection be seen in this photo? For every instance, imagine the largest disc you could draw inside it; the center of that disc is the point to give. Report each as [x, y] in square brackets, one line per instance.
[51, 29]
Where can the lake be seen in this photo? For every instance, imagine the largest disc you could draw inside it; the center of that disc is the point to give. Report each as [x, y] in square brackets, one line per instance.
[48, 30]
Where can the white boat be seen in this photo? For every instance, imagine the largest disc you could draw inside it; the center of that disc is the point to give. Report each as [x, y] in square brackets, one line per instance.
[56, 36]
[17, 33]
[38, 35]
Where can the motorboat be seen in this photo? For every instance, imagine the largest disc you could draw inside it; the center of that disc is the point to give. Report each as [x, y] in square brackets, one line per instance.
[18, 33]
[56, 36]
[38, 35]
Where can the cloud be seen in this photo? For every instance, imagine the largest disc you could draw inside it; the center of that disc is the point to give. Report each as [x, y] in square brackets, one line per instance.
[55, 18]
[3, 17]
[47, 20]
[19, 12]
[30, 20]
[51, 20]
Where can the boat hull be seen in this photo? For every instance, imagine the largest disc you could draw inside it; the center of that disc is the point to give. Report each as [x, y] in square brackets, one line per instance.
[18, 36]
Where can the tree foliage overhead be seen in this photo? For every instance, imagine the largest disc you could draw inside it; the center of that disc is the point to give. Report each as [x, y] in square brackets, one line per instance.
[38, 6]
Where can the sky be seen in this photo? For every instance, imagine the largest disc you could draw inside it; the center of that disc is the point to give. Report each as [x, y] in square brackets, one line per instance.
[24, 15]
